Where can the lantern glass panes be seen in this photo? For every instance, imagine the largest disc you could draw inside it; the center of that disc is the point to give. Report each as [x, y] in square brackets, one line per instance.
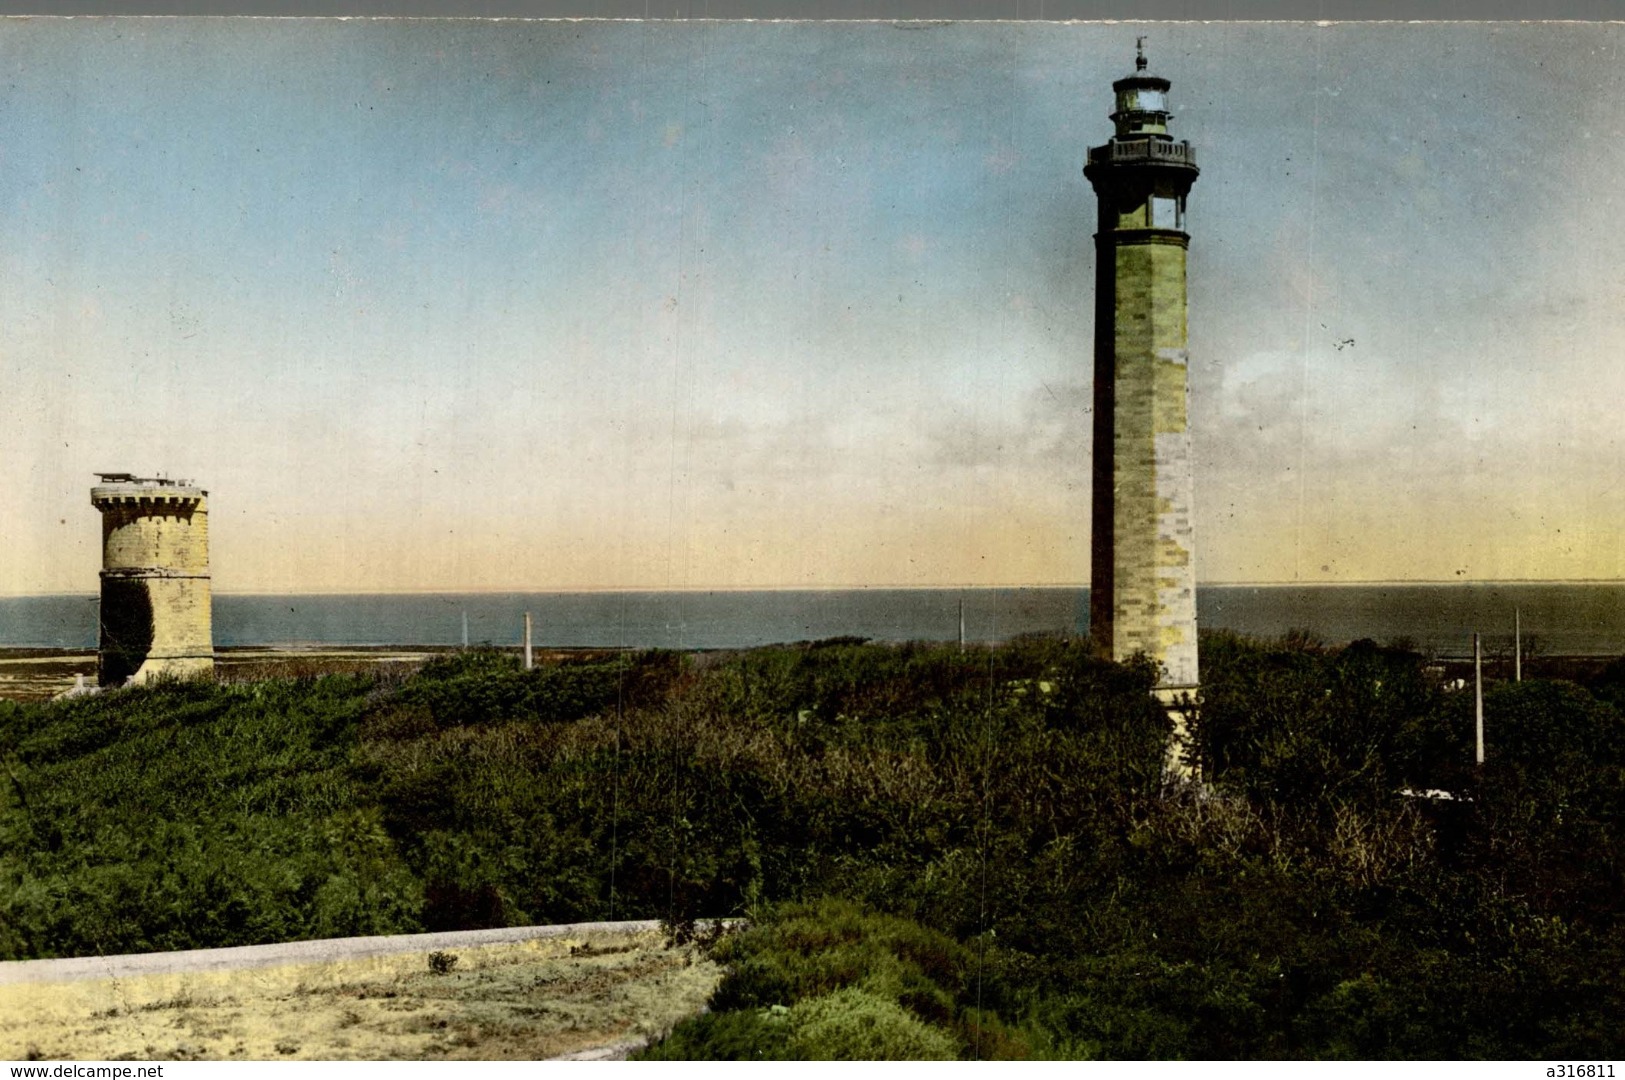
[1148, 100]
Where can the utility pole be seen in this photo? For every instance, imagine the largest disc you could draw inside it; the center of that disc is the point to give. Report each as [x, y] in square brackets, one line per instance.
[529, 662]
[1478, 701]
[1517, 645]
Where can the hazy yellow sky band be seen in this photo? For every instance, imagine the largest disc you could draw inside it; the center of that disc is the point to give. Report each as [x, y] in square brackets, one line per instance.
[537, 306]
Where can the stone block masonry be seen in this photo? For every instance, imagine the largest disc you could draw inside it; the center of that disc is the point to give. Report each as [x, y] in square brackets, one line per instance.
[1153, 592]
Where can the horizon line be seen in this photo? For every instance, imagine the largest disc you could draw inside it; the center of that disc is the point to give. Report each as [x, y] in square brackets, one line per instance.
[948, 587]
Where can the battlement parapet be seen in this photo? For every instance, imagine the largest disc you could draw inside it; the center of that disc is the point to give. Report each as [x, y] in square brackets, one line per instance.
[144, 495]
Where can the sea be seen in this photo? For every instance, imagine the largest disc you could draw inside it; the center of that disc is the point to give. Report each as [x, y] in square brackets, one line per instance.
[1568, 619]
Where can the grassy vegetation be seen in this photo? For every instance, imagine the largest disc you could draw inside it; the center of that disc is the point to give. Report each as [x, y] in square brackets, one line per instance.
[944, 853]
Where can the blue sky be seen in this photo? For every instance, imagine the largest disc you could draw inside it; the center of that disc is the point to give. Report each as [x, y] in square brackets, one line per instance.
[509, 305]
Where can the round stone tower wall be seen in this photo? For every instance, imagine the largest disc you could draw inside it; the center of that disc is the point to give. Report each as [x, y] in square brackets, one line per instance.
[156, 605]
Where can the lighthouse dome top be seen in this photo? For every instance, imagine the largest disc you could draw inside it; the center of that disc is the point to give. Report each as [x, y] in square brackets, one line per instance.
[1142, 100]
[1142, 81]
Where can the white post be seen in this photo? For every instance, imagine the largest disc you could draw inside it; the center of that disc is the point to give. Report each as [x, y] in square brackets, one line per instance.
[465, 629]
[529, 663]
[1517, 645]
[961, 624]
[1478, 701]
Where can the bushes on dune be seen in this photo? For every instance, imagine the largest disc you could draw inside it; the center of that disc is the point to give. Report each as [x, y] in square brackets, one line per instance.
[831, 980]
[486, 686]
[1012, 880]
[192, 815]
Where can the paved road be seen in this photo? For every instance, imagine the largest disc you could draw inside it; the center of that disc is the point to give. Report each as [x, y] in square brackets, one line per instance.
[290, 952]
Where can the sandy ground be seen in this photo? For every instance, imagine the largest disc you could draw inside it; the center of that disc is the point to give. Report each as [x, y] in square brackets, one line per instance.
[30, 674]
[41, 674]
[583, 993]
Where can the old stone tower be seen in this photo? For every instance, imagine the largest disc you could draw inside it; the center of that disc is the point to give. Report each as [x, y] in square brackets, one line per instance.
[156, 618]
[1143, 577]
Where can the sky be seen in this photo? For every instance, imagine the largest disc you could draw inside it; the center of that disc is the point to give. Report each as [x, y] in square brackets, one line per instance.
[456, 305]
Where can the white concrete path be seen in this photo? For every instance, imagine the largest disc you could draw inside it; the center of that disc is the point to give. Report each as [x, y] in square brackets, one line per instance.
[291, 952]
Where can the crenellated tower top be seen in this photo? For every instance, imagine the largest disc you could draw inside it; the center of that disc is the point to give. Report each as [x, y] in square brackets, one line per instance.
[126, 490]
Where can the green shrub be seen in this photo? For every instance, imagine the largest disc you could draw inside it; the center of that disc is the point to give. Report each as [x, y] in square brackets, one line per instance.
[853, 1024]
[743, 1035]
[833, 979]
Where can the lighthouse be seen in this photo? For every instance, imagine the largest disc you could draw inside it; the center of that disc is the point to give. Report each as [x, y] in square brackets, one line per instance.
[1142, 595]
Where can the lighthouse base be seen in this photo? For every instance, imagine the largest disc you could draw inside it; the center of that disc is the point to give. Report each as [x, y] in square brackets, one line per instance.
[1180, 767]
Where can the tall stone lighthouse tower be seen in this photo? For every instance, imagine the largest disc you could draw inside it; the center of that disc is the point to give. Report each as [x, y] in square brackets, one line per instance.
[156, 618]
[1142, 596]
